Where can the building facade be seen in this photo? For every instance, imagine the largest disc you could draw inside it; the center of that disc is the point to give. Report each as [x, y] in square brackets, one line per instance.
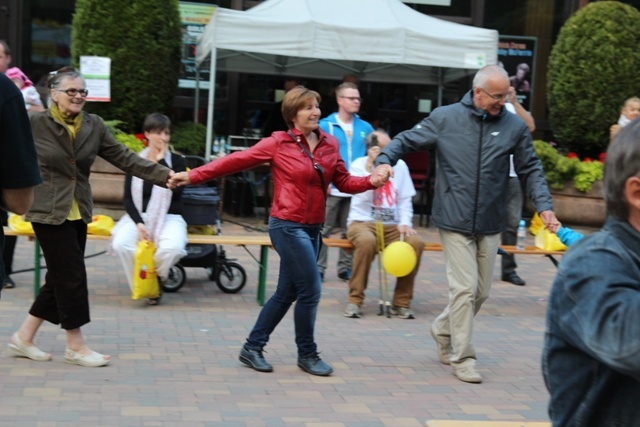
[39, 33]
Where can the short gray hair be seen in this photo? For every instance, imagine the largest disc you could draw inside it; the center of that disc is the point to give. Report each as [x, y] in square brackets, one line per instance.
[486, 72]
[56, 77]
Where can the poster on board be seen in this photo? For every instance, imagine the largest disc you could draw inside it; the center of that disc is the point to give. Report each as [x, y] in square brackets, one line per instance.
[96, 71]
[194, 17]
[517, 56]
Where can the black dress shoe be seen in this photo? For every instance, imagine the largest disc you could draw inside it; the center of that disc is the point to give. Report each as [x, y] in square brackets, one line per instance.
[255, 359]
[345, 275]
[314, 365]
[513, 278]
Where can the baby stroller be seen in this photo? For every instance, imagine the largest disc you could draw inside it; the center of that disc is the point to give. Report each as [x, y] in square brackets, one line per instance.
[200, 207]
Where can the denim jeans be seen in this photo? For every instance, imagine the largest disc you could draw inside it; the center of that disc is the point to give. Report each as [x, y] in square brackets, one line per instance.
[299, 281]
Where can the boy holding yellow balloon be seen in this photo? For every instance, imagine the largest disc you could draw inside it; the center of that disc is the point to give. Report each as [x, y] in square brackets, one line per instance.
[391, 206]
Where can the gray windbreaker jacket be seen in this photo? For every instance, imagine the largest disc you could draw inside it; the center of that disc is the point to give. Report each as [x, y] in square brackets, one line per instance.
[472, 165]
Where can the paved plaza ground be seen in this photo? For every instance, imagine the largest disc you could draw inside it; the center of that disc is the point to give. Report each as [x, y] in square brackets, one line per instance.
[177, 364]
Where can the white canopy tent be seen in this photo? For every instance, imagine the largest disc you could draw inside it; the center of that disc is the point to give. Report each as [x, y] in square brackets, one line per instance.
[379, 40]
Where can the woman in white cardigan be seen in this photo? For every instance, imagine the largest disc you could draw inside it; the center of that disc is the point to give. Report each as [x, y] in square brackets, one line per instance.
[153, 213]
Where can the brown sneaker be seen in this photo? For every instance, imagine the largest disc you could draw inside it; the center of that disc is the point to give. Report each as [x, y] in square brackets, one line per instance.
[468, 374]
[444, 348]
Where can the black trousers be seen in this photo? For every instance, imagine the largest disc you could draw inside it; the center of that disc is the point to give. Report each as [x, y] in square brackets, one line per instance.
[64, 297]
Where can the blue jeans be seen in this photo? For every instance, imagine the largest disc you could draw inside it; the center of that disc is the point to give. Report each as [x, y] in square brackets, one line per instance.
[299, 281]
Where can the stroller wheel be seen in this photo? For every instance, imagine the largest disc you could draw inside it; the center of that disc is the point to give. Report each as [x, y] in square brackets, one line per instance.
[231, 277]
[176, 279]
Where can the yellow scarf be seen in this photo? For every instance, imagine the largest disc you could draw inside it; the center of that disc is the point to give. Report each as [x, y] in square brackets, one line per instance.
[72, 124]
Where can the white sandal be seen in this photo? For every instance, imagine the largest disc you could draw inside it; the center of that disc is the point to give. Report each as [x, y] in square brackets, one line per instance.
[93, 360]
[29, 351]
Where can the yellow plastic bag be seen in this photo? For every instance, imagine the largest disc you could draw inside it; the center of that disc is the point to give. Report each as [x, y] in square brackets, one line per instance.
[536, 224]
[548, 241]
[145, 279]
[101, 225]
[17, 223]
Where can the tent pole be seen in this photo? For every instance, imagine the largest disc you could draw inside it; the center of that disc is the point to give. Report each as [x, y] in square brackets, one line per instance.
[196, 102]
[440, 88]
[211, 104]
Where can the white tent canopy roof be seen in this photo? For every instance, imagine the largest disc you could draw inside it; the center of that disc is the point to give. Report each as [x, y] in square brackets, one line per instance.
[379, 40]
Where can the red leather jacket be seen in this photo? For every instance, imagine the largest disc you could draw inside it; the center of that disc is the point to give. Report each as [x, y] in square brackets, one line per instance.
[298, 193]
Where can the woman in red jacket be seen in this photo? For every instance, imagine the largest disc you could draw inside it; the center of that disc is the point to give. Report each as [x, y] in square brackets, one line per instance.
[304, 160]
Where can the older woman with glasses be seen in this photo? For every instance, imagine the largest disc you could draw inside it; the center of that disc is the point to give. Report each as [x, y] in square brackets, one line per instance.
[68, 141]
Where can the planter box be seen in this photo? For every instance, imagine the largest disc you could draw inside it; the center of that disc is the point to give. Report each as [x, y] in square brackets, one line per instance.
[574, 207]
[107, 185]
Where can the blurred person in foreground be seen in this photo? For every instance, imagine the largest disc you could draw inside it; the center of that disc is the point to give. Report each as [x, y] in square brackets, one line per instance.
[591, 356]
[474, 139]
[19, 171]
[68, 141]
[392, 205]
[154, 213]
[304, 160]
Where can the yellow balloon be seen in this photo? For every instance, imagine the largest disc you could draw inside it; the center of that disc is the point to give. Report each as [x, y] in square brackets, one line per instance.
[399, 259]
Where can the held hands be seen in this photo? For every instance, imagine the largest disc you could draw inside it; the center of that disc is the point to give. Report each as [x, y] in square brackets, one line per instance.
[169, 176]
[550, 221]
[380, 175]
[178, 180]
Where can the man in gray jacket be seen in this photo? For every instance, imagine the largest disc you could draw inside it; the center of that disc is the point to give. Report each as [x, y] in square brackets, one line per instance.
[474, 139]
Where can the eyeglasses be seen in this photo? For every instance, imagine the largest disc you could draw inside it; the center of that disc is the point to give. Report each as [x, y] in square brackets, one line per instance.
[496, 97]
[352, 98]
[74, 92]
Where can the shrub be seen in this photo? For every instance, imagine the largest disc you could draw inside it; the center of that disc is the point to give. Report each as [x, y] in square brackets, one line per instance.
[128, 140]
[559, 168]
[143, 39]
[593, 68]
[189, 138]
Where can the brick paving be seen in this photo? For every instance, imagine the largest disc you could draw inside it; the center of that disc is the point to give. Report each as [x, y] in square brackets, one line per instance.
[176, 364]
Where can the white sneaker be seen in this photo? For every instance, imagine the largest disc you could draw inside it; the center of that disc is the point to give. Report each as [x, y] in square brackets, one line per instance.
[402, 312]
[352, 311]
[468, 374]
[444, 349]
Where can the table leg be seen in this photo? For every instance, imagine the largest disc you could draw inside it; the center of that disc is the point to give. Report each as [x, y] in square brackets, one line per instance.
[262, 276]
[36, 268]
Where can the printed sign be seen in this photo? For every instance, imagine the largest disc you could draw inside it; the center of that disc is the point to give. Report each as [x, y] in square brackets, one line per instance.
[97, 75]
[517, 56]
[194, 17]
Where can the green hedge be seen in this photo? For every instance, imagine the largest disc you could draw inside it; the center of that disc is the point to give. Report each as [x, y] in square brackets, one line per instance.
[594, 66]
[189, 138]
[143, 39]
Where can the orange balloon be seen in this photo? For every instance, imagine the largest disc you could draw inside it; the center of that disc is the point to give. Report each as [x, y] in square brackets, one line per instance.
[399, 259]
